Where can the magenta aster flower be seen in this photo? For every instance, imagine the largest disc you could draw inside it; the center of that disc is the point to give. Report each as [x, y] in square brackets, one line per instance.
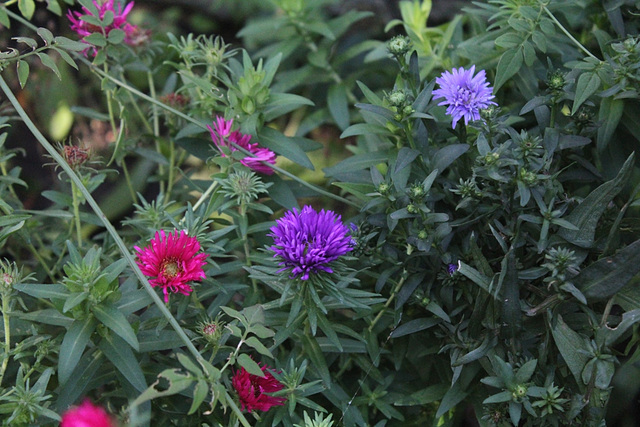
[223, 137]
[464, 93]
[172, 261]
[87, 415]
[252, 390]
[308, 241]
[84, 28]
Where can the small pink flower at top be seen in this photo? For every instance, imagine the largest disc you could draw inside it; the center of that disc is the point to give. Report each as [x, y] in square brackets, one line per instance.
[223, 137]
[172, 261]
[83, 28]
[252, 390]
[87, 415]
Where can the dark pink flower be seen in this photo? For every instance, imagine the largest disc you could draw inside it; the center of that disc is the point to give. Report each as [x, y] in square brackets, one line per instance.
[87, 415]
[83, 28]
[223, 137]
[252, 390]
[172, 261]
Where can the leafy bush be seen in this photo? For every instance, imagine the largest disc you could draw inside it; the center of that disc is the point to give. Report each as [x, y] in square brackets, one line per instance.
[469, 248]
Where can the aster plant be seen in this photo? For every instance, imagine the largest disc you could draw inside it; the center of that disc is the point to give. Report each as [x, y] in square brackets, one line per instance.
[492, 276]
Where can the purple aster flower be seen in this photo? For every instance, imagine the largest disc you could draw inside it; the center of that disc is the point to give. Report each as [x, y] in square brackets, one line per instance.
[308, 241]
[222, 137]
[452, 268]
[464, 93]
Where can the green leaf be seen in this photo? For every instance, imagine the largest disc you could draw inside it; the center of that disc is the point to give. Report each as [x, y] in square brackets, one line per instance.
[82, 375]
[357, 162]
[605, 277]
[586, 215]
[451, 398]
[73, 345]
[249, 365]
[364, 129]
[511, 312]
[111, 317]
[199, 393]
[447, 155]
[318, 362]
[49, 63]
[48, 316]
[612, 335]
[608, 117]
[285, 146]
[570, 344]
[27, 7]
[96, 39]
[255, 343]
[588, 84]
[4, 18]
[68, 44]
[177, 380]
[45, 35]
[508, 65]
[116, 36]
[122, 357]
[283, 103]
[73, 300]
[338, 105]
[50, 292]
[189, 365]
[415, 325]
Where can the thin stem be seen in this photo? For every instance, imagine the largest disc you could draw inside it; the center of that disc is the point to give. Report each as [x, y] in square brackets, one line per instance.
[7, 336]
[205, 195]
[76, 212]
[44, 265]
[127, 178]
[568, 34]
[156, 127]
[172, 162]
[388, 303]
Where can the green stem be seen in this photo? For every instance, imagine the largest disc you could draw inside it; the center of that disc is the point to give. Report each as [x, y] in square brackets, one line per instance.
[41, 260]
[156, 126]
[76, 212]
[172, 163]
[7, 336]
[388, 303]
[247, 249]
[127, 178]
[205, 195]
[568, 34]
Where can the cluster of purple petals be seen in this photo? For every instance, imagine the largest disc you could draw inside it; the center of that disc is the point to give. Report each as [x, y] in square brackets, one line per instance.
[222, 136]
[464, 94]
[306, 242]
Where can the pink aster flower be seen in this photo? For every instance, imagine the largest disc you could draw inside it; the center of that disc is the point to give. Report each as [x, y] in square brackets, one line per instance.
[252, 390]
[83, 28]
[172, 261]
[86, 415]
[223, 137]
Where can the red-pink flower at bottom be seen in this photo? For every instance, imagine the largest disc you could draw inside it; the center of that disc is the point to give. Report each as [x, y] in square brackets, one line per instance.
[252, 390]
[87, 415]
[172, 261]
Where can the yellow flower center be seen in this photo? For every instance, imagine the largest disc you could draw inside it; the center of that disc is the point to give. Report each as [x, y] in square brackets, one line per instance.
[170, 268]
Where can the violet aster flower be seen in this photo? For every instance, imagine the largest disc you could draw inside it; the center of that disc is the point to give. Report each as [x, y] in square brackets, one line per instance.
[308, 241]
[251, 390]
[83, 28]
[173, 261]
[464, 93]
[223, 137]
[86, 415]
[452, 268]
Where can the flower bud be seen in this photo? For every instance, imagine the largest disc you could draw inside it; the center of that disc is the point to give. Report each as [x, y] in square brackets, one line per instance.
[399, 45]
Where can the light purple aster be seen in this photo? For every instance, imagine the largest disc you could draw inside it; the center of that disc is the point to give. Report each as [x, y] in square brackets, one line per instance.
[308, 241]
[464, 93]
[452, 268]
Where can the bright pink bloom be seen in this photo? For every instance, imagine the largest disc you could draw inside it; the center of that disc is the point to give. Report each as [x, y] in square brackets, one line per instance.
[251, 390]
[173, 261]
[223, 137]
[84, 29]
[87, 415]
